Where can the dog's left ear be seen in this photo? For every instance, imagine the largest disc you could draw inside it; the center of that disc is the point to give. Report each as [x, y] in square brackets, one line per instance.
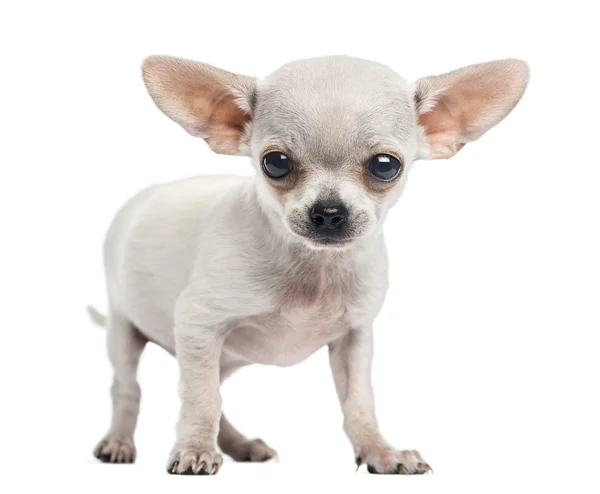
[208, 102]
[460, 106]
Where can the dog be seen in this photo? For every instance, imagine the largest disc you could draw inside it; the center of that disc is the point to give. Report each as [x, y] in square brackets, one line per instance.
[223, 272]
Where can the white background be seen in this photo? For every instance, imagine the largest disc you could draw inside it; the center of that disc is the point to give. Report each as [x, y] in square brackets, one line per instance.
[486, 355]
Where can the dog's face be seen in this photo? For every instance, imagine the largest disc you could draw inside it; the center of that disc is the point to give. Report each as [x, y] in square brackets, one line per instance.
[333, 138]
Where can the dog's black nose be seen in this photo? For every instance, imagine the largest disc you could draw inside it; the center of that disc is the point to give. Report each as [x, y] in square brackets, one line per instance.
[328, 216]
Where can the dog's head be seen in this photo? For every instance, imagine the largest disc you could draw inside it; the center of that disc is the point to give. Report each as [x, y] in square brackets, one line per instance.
[333, 138]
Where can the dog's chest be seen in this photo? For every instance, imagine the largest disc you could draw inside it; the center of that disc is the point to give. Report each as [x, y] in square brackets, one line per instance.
[309, 313]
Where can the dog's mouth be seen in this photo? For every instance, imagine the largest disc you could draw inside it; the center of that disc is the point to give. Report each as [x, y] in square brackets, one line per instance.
[320, 243]
[329, 242]
[322, 240]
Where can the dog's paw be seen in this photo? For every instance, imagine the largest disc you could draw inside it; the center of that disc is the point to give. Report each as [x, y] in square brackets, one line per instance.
[390, 461]
[194, 461]
[115, 450]
[253, 450]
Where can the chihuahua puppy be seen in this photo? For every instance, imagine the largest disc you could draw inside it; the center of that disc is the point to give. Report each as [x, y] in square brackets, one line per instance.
[224, 272]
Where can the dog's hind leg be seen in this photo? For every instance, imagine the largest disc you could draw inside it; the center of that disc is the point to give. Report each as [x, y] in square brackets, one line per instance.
[234, 444]
[125, 346]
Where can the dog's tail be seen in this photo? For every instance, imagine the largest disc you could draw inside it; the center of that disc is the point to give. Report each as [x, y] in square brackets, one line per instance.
[96, 316]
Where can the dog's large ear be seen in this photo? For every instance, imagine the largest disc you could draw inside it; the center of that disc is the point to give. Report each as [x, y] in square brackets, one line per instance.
[208, 102]
[460, 106]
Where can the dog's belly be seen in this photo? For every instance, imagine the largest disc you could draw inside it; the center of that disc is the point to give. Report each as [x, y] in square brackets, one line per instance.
[284, 338]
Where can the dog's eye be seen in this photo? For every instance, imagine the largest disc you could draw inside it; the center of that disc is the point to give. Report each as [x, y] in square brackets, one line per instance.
[276, 165]
[385, 167]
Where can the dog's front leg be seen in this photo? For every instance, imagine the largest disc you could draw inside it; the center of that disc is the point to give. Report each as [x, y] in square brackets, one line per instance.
[198, 350]
[350, 358]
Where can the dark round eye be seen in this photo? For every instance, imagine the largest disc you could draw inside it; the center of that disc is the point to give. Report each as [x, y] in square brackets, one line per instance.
[276, 164]
[385, 167]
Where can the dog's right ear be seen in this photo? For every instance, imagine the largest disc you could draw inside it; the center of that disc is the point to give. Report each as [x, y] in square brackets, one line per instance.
[208, 102]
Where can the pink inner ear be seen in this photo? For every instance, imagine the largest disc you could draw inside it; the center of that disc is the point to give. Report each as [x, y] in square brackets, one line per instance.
[455, 116]
[201, 98]
[470, 101]
[443, 145]
[223, 121]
